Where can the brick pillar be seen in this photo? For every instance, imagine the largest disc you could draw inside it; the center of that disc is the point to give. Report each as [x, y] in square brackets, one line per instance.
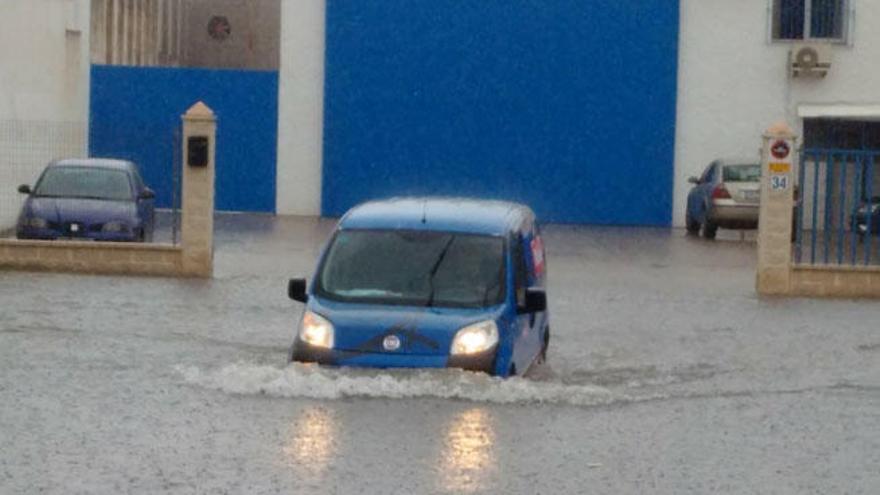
[777, 201]
[197, 227]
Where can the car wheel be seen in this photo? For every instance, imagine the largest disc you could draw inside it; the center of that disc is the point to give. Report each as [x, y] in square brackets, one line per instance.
[692, 226]
[141, 236]
[709, 229]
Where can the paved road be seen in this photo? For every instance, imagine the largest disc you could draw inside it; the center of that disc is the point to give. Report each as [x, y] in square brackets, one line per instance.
[667, 375]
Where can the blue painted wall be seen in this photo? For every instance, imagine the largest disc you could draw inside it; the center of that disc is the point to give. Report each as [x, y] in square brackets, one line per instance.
[567, 105]
[135, 111]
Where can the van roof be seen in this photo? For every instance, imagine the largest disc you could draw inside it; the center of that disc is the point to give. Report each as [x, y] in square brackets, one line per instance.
[440, 214]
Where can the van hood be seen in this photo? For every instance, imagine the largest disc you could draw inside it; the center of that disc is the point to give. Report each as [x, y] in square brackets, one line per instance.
[422, 331]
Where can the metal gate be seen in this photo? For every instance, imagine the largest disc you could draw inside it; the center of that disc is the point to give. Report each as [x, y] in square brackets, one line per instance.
[837, 210]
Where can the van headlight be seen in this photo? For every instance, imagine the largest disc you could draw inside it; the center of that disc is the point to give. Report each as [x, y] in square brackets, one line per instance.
[316, 330]
[475, 338]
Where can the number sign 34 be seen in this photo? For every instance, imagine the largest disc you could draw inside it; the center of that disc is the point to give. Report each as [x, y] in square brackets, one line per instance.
[779, 182]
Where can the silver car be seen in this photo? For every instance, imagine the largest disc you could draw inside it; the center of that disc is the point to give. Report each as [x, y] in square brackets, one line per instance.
[727, 195]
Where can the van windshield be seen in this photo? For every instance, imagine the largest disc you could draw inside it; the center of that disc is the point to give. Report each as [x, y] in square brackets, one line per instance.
[416, 268]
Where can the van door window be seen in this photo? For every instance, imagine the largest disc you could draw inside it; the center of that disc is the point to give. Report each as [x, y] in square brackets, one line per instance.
[520, 270]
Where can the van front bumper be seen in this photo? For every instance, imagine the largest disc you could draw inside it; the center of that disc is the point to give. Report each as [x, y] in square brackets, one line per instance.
[305, 353]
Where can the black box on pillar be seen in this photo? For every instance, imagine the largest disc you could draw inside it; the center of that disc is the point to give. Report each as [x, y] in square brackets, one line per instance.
[197, 151]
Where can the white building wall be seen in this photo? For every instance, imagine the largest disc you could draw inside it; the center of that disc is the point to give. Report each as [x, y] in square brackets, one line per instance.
[733, 82]
[44, 90]
[44, 64]
[300, 107]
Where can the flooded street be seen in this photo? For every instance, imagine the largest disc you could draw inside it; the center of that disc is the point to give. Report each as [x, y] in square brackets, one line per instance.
[666, 374]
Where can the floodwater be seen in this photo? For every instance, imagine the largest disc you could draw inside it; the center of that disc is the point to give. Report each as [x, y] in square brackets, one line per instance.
[666, 374]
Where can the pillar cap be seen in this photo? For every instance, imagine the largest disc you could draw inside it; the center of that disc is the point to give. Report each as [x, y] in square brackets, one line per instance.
[780, 129]
[199, 111]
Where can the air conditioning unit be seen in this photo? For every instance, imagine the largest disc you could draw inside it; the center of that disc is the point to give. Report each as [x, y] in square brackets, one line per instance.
[810, 61]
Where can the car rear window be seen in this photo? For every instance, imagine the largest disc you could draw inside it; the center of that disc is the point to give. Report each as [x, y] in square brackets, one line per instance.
[742, 173]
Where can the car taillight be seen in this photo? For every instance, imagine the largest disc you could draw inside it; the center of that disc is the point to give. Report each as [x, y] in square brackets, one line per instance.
[720, 192]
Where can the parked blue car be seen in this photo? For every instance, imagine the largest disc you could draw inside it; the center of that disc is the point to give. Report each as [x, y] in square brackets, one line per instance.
[727, 195]
[88, 199]
[428, 283]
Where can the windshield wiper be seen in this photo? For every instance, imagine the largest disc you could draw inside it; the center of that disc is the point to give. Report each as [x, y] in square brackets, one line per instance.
[434, 269]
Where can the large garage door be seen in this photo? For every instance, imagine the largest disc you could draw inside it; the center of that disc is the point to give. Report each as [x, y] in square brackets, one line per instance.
[135, 113]
[568, 105]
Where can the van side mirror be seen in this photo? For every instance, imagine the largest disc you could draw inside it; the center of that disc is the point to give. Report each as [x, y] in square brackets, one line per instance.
[147, 193]
[536, 301]
[296, 290]
[693, 180]
[24, 189]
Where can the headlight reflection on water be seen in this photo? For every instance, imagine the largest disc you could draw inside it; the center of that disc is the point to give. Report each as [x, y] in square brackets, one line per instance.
[312, 444]
[468, 457]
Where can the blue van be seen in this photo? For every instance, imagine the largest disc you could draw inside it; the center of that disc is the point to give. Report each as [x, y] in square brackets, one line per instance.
[428, 283]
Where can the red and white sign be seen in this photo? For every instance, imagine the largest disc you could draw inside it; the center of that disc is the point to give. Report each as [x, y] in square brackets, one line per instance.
[537, 246]
[780, 149]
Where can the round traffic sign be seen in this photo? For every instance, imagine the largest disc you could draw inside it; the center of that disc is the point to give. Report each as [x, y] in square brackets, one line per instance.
[780, 150]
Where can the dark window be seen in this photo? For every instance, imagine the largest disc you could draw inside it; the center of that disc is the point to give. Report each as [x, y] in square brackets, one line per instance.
[826, 19]
[841, 134]
[789, 17]
[809, 19]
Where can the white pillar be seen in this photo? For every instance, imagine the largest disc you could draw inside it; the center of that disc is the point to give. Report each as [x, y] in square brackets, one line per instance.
[777, 203]
[197, 227]
[300, 108]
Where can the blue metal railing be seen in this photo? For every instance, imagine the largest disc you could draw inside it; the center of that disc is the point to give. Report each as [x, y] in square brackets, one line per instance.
[836, 190]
